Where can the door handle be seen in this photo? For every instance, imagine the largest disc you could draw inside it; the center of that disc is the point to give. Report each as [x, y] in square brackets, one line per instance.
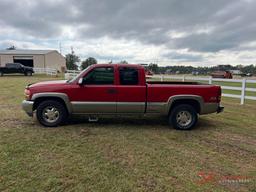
[111, 91]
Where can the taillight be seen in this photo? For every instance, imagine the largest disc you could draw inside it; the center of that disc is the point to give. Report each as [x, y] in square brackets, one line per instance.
[219, 95]
[27, 94]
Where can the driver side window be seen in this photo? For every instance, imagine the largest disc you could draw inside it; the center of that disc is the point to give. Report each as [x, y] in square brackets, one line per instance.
[100, 76]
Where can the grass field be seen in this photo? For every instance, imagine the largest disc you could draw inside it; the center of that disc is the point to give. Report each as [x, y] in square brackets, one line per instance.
[124, 154]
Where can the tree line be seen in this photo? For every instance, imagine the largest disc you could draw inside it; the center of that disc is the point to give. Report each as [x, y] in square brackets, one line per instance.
[72, 62]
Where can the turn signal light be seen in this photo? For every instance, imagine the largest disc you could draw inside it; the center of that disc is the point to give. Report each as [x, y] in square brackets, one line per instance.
[27, 94]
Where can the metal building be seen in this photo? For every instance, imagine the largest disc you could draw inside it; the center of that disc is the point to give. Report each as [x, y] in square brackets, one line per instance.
[34, 58]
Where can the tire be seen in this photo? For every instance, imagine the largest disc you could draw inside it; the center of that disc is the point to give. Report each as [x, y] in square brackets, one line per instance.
[51, 113]
[1, 74]
[183, 117]
[25, 74]
[29, 73]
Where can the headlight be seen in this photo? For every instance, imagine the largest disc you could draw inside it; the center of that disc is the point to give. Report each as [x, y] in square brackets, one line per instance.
[27, 94]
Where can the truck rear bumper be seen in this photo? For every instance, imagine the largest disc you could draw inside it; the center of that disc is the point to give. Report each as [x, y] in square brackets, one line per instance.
[27, 106]
[220, 109]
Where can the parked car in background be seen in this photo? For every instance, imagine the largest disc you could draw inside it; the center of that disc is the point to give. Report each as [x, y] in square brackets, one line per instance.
[149, 72]
[12, 68]
[246, 75]
[120, 89]
[222, 74]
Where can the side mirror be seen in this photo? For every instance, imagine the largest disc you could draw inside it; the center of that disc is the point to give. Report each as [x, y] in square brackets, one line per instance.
[80, 81]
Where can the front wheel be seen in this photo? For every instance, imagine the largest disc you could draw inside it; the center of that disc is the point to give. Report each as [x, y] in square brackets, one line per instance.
[51, 113]
[1, 74]
[183, 117]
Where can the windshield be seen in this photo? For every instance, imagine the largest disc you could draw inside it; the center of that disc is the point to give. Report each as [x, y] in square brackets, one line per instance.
[73, 79]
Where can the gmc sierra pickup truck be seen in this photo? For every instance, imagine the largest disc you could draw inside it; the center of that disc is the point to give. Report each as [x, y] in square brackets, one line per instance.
[11, 68]
[120, 89]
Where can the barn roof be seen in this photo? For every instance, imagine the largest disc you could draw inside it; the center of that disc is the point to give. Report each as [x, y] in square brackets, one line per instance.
[25, 52]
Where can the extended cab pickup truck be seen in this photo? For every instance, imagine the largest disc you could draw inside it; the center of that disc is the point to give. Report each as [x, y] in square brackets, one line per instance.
[16, 68]
[120, 89]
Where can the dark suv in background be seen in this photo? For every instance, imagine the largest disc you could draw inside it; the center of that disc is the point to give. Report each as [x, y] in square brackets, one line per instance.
[16, 68]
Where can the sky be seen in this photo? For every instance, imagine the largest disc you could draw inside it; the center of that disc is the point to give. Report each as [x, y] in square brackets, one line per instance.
[167, 32]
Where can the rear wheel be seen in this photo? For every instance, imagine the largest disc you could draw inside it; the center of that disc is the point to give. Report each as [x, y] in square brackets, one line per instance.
[51, 113]
[183, 117]
[29, 73]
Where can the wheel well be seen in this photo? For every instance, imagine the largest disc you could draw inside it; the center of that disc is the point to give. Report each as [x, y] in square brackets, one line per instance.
[41, 99]
[192, 102]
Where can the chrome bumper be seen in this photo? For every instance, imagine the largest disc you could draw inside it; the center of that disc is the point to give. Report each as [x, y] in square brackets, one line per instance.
[27, 106]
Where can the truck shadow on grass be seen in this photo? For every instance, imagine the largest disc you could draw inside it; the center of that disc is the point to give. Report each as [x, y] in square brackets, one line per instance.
[135, 123]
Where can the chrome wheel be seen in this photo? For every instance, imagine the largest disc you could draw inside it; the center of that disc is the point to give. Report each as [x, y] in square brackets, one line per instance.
[51, 114]
[184, 118]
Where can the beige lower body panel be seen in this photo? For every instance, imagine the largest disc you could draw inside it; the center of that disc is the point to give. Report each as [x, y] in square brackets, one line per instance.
[209, 108]
[157, 107]
[131, 107]
[107, 107]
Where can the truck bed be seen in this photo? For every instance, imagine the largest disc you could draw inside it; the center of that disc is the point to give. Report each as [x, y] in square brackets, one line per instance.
[174, 83]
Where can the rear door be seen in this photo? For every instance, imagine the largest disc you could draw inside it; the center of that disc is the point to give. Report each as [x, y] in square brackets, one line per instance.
[98, 94]
[131, 93]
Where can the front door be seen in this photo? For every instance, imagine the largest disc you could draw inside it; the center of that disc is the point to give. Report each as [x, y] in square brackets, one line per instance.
[97, 94]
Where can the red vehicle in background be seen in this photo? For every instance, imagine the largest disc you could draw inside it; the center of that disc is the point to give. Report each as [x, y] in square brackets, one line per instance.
[222, 74]
[120, 89]
[148, 72]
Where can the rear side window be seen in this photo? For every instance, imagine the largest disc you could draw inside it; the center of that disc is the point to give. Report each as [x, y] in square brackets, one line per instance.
[100, 76]
[128, 76]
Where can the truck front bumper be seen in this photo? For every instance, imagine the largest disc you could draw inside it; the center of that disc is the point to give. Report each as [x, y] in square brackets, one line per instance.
[27, 106]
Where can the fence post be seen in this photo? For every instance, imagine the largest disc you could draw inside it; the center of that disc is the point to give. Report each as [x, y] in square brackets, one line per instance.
[243, 91]
[183, 78]
[210, 80]
[162, 78]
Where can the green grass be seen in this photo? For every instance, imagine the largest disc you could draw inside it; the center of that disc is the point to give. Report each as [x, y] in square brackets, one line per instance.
[123, 154]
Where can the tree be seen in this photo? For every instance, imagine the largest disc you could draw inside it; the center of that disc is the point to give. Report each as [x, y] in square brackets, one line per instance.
[153, 67]
[123, 62]
[89, 61]
[71, 61]
[11, 48]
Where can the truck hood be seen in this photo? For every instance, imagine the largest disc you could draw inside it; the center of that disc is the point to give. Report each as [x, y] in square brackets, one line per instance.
[48, 83]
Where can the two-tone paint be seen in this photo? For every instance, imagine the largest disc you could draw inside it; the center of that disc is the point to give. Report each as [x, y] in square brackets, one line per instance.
[143, 98]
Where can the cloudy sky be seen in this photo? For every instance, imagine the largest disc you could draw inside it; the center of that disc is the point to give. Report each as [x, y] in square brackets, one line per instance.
[169, 32]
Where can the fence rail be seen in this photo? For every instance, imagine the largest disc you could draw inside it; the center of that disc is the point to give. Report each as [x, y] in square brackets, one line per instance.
[69, 74]
[243, 88]
[47, 71]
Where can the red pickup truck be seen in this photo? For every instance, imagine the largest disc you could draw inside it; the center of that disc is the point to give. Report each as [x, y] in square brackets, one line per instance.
[120, 89]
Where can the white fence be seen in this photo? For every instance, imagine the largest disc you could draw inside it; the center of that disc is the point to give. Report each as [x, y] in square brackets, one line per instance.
[243, 88]
[47, 71]
[69, 74]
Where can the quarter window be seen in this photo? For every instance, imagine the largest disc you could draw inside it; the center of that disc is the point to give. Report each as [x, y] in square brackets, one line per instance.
[128, 76]
[100, 76]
